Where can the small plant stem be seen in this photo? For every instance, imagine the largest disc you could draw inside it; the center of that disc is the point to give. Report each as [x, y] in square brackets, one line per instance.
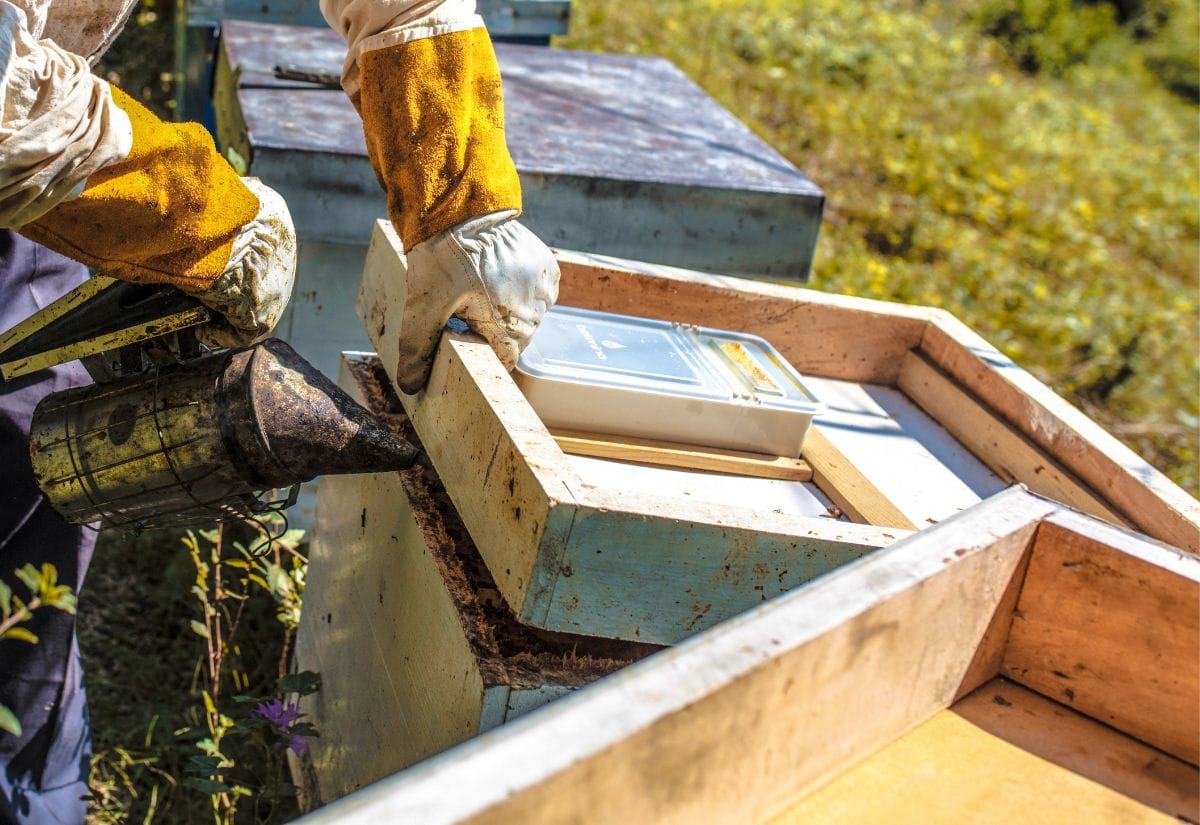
[21, 615]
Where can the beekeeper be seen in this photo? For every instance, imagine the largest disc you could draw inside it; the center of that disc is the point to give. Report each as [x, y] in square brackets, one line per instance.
[90, 177]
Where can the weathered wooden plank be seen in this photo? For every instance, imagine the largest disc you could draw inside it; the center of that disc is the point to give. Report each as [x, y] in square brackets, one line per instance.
[1080, 744]
[841, 480]
[1006, 755]
[399, 682]
[685, 456]
[819, 333]
[656, 569]
[1109, 624]
[1141, 494]
[771, 704]
[1005, 450]
[502, 469]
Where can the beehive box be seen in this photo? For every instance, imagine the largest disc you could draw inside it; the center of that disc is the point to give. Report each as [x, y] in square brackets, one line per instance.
[927, 419]
[1020, 662]
[415, 647]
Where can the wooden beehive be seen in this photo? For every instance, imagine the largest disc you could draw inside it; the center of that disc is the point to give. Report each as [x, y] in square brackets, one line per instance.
[415, 647]
[1020, 662]
[928, 421]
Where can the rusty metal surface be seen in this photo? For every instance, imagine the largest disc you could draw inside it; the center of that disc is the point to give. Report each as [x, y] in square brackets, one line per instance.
[290, 423]
[584, 114]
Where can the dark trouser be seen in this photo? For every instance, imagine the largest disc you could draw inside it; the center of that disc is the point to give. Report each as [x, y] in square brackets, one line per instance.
[43, 772]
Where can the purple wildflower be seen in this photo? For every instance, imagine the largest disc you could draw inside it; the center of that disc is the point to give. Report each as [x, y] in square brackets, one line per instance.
[278, 714]
[282, 717]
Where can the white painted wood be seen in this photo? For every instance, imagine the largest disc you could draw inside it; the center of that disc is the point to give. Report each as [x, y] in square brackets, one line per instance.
[1137, 491]
[796, 498]
[861, 340]
[909, 457]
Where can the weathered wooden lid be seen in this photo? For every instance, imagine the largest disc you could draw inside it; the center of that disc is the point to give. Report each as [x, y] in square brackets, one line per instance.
[617, 154]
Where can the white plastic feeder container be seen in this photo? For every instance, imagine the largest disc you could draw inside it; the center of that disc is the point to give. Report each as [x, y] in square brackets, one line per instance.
[603, 373]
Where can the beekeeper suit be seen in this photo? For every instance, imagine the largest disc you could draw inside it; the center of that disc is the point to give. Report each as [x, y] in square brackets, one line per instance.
[87, 174]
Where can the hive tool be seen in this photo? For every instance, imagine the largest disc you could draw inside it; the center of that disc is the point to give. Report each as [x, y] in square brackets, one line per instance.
[172, 433]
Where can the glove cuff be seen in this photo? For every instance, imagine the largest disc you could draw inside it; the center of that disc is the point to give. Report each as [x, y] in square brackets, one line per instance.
[433, 115]
[167, 213]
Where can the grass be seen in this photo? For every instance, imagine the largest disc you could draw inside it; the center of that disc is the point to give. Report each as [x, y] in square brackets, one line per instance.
[1056, 214]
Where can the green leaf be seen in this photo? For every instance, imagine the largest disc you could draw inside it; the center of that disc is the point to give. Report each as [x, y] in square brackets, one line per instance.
[207, 786]
[5, 600]
[30, 576]
[304, 683]
[9, 722]
[281, 583]
[200, 630]
[292, 538]
[203, 765]
[20, 634]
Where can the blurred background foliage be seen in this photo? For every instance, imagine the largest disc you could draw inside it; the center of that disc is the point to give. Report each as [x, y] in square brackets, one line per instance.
[142, 60]
[1033, 166]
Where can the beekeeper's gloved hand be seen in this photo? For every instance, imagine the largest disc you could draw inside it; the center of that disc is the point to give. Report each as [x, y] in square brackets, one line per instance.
[489, 271]
[164, 207]
[254, 289]
[425, 80]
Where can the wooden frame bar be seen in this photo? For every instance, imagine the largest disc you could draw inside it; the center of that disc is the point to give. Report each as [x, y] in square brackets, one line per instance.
[746, 720]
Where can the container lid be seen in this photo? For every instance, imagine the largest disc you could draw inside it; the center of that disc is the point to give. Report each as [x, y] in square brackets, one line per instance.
[620, 351]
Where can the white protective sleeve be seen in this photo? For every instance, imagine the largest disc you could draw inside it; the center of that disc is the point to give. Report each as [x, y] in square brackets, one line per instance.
[58, 122]
[367, 25]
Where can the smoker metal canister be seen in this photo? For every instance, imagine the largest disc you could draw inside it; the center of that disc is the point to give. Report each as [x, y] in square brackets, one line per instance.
[137, 450]
[195, 442]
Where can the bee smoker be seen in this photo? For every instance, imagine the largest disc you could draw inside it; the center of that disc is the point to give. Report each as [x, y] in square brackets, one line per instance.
[202, 440]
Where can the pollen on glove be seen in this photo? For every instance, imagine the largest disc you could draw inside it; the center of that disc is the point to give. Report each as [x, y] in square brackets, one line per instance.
[433, 116]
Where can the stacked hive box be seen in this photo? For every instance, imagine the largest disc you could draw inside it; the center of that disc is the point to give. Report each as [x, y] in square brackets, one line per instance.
[929, 421]
[1019, 663]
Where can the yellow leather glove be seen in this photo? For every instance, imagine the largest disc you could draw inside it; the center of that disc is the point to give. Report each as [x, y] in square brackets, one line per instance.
[433, 116]
[173, 211]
